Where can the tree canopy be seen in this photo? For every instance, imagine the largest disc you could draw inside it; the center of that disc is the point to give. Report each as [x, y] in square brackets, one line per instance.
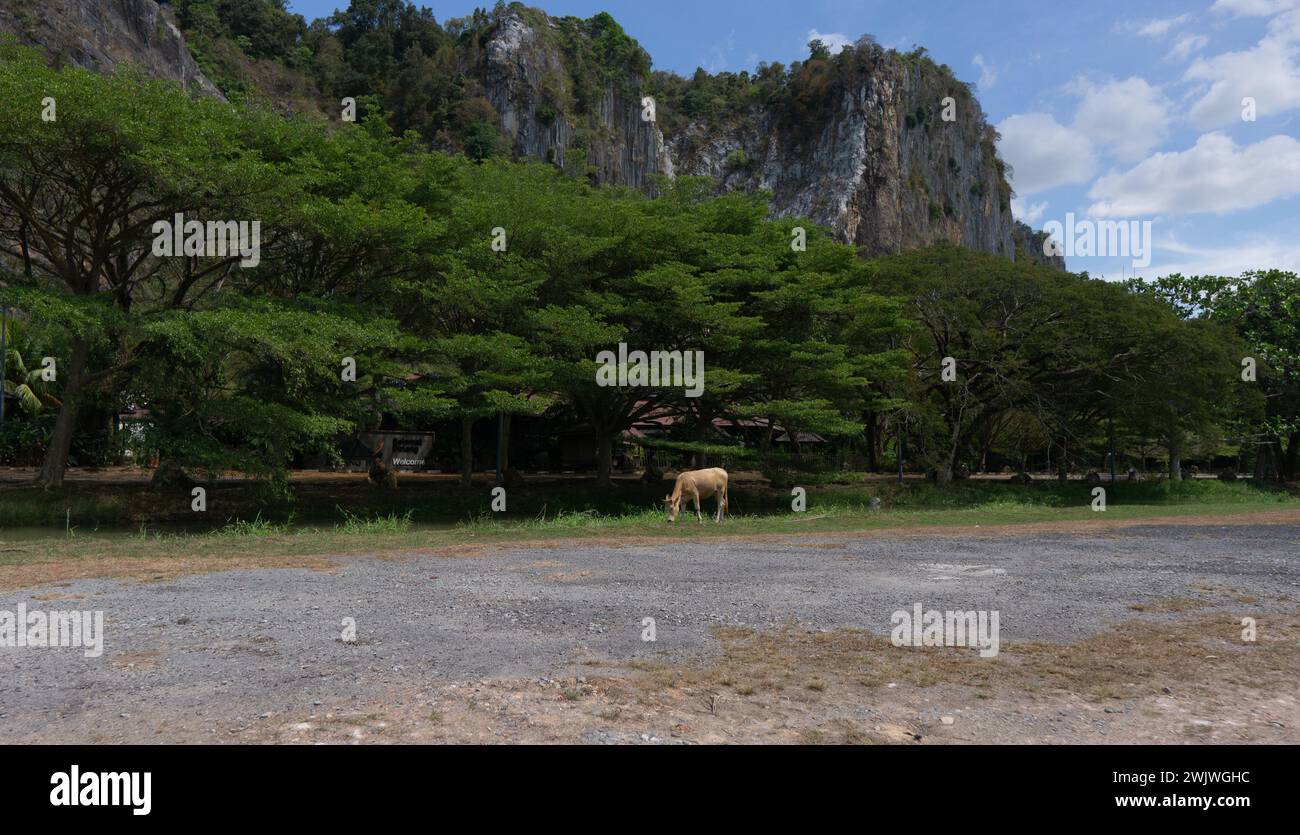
[395, 285]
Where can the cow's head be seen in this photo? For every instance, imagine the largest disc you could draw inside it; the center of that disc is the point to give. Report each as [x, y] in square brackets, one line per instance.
[673, 506]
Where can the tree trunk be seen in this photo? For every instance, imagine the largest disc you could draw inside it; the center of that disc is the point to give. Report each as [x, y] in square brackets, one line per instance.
[505, 444]
[604, 457]
[900, 450]
[110, 423]
[944, 472]
[466, 451]
[1277, 457]
[1175, 458]
[703, 424]
[56, 457]
[1292, 459]
[873, 462]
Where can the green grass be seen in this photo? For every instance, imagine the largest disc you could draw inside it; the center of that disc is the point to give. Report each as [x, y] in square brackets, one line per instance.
[564, 520]
[240, 528]
[635, 511]
[32, 508]
[355, 507]
[391, 524]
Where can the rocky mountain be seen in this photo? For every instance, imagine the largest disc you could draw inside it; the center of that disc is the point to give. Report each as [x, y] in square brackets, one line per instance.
[889, 150]
[879, 165]
[100, 34]
[524, 72]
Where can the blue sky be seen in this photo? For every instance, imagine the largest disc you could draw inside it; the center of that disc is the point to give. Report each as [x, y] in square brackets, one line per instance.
[1109, 110]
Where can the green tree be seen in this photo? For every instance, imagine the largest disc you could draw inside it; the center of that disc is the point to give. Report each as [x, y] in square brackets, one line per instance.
[346, 216]
[986, 338]
[28, 385]
[79, 196]
[1262, 308]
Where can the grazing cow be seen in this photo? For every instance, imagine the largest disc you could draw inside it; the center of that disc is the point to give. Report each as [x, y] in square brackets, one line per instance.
[699, 484]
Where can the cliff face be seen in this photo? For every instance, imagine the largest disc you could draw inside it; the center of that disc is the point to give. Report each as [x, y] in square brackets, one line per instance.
[1029, 244]
[100, 34]
[878, 183]
[523, 68]
[879, 166]
[873, 158]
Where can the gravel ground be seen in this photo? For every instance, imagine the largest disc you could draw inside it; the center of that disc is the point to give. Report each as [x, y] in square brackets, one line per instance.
[231, 649]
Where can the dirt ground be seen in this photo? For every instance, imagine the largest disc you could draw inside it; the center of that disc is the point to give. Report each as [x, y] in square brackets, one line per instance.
[1189, 682]
[1108, 634]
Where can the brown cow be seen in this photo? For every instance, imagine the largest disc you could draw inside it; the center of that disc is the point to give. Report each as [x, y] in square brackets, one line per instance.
[699, 484]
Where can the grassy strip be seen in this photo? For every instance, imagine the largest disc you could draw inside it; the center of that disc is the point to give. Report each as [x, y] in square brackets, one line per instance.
[268, 540]
[562, 504]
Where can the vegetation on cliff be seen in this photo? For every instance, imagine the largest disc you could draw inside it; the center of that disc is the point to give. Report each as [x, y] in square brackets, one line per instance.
[397, 58]
[422, 74]
[377, 251]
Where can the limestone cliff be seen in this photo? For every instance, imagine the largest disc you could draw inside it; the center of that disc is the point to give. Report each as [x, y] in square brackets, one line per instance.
[101, 34]
[880, 166]
[1029, 244]
[524, 70]
[889, 150]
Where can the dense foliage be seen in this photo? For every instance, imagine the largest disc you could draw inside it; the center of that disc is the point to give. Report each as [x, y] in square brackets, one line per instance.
[422, 73]
[398, 59]
[1263, 309]
[463, 289]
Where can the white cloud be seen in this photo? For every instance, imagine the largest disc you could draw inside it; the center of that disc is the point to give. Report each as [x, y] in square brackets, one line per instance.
[1043, 153]
[1185, 46]
[1253, 8]
[836, 41]
[988, 77]
[1256, 253]
[1269, 72]
[1214, 175]
[1029, 213]
[720, 53]
[1156, 28]
[1128, 117]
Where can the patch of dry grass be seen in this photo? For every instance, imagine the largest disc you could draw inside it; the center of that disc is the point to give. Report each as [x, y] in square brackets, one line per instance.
[846, 674]
[1168, 681]
[1170, 604]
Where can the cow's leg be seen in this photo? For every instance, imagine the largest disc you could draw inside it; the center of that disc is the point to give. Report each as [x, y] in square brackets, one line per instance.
[698, 515]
